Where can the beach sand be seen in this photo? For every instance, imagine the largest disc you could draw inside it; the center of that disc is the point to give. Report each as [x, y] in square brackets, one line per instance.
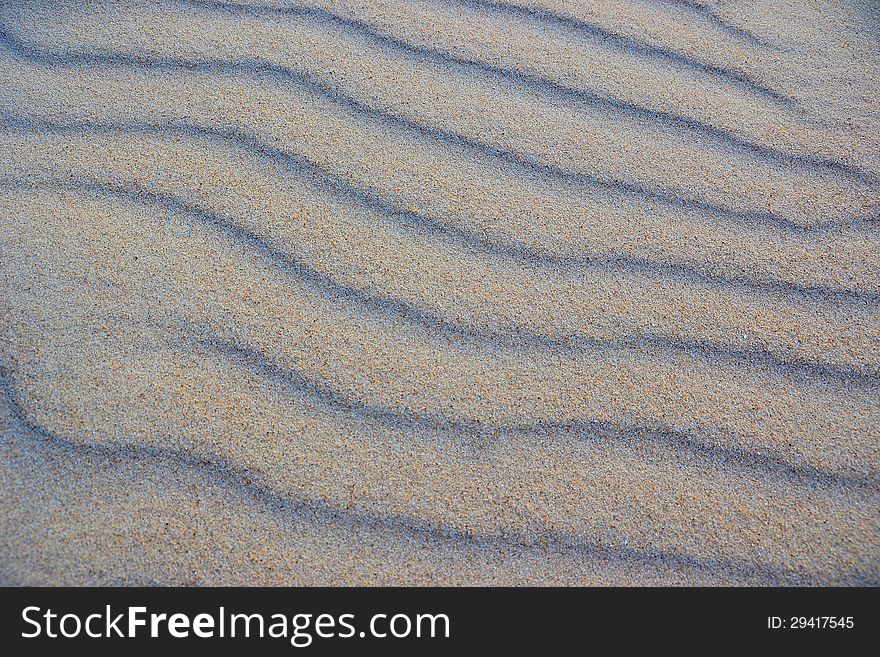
[440, 292]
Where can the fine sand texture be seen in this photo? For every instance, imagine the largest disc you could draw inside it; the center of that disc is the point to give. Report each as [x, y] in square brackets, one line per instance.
[440, 292]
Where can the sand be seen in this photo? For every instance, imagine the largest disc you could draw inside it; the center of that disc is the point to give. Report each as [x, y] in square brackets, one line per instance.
[442, 292]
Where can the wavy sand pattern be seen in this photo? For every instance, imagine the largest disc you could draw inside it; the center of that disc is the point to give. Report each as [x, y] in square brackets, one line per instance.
[440, 292]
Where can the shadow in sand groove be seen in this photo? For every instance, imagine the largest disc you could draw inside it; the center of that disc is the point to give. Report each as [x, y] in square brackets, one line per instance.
[248, 484]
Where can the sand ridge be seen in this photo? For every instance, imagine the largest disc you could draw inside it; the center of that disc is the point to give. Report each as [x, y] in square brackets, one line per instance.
[443, 292]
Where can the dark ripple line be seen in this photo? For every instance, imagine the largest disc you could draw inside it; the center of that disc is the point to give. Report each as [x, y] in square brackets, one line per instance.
[553, 89]
[719, 22]
[626, 44]
[453, 234]
[245, 483]
[517, 161]
[738, 457]
[511, 337]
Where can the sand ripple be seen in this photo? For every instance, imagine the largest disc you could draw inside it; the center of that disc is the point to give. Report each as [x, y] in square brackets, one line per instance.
[443, 291]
